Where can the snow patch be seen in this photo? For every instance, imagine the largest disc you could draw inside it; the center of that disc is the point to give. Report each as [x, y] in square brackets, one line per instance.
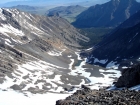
[30, 73]
[33, 28]
[89, 49]
[104, 81]
[134, 37]
[137, 88]
[1, 15]
[9, 29]
[69, 56]
[10, 98]
[56, 52]
[78, 55]
[124, 67]
[100, 61]
[112, 65]
[71, 64]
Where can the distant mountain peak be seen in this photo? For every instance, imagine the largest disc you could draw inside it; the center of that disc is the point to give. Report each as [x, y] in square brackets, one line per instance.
[115, 0]
[123, 0]
[110, 14]
[125, 3]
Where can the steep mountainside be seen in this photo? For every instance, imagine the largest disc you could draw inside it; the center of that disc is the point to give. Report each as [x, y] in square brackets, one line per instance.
[110, 14]
[120, 46]
[34, 52]
[133, 20]
[67, 12]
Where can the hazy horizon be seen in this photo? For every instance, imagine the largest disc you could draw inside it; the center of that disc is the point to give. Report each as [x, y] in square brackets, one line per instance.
[6, 1]
[9, 3]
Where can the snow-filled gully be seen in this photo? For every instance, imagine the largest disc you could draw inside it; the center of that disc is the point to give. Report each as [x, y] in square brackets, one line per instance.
[49, 98]
[97, 82]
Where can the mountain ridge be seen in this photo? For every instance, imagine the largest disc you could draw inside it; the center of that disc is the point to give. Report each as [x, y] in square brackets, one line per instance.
[110, 14]
[120, 46]
[34, 52]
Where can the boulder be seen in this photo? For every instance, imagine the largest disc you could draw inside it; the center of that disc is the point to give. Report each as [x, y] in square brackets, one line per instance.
[130, 77]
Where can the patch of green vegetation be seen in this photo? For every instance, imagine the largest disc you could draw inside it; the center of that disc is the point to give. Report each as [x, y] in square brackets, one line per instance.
[70, 18]
[94, 34]
[68, 12]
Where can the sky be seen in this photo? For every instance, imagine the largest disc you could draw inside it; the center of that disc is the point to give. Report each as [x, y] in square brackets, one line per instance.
[9, 3]
[5, 1]
[94, 1]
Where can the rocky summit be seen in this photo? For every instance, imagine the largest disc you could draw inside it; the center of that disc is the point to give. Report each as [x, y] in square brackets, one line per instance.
[102, 97]
[110, 14]
[123, 94]
[129, 78]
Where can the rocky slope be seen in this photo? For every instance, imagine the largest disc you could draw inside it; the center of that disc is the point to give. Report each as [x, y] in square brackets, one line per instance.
[133, 20]
[39, 57]
[121, 46]
[118, 95]
[34, 52]
[110, 14]
[102, 97]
